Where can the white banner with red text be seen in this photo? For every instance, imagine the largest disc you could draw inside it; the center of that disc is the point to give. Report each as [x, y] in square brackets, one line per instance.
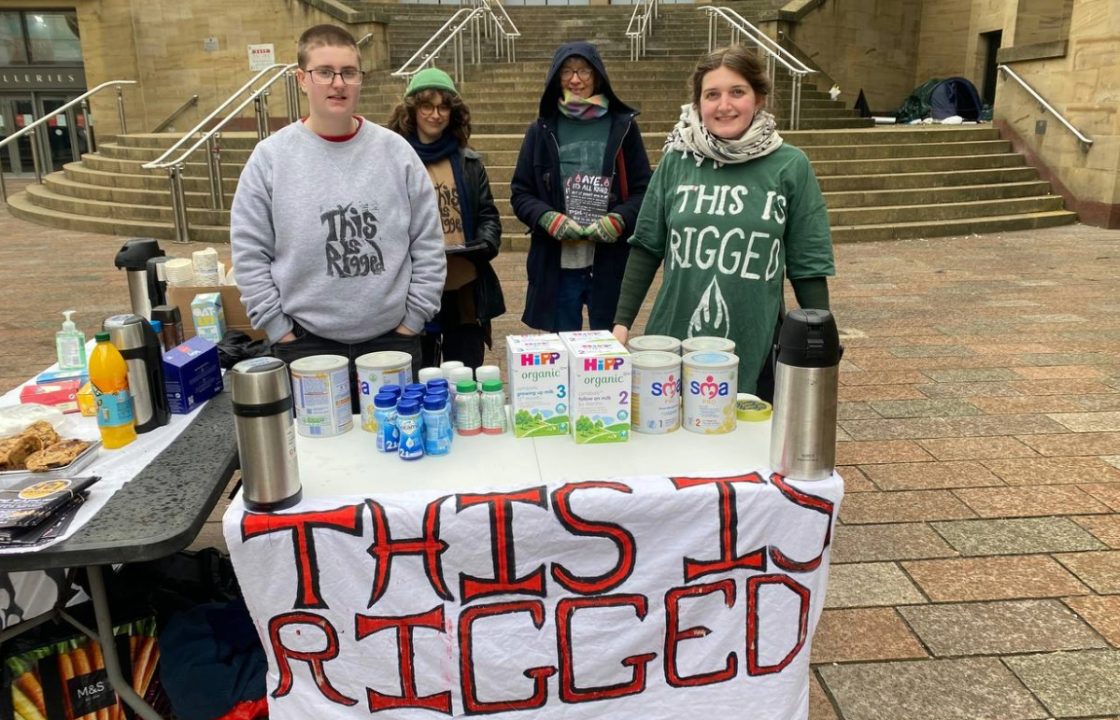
[641, 597]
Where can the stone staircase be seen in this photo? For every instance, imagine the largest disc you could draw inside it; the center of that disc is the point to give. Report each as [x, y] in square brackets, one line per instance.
[880, 183]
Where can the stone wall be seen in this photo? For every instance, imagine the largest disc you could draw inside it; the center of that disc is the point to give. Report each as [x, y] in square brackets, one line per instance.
[1084, 85]
[160, 44]
[869, 44]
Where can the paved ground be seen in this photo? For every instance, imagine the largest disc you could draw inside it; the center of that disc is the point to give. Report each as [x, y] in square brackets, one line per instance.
[976, 572]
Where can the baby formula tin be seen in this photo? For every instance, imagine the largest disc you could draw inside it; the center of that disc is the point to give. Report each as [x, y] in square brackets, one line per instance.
[710, 385]
[321, 391]
[696, 344]
[663, 343]
[388, 367]
[656, 405]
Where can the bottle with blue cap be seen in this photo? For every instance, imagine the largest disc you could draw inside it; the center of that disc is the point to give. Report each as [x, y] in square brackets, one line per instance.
[437, 426]
[385, 411]
[411, 426]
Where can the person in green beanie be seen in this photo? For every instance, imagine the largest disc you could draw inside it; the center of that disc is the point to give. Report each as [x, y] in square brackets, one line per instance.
[437, 123]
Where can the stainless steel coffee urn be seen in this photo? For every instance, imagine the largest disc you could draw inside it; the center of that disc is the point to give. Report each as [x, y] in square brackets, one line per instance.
[803, 431]
[139, 344]
[266, 433]
[142, 260]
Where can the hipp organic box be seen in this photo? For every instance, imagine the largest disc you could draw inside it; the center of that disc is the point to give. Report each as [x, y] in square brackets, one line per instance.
[600, 376]
[538, 385]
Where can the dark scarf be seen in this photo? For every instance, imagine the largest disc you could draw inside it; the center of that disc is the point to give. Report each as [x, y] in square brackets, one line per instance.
[448, 147]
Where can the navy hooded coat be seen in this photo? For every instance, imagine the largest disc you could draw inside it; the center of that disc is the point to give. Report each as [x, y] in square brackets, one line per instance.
[537, 187]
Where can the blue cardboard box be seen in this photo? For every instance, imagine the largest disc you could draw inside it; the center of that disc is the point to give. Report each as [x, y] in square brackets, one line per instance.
[192, 374]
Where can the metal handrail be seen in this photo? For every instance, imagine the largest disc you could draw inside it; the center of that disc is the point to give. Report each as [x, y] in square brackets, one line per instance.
[774, 53]
[760, 38]
[211, 138]
[509, 37]
[217, 111]
[34, 127]
[644, 27]
[187, 105]
[1085, 141]
[461, 19]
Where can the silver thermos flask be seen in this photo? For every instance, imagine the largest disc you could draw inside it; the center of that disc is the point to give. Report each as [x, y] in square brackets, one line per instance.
[266, 433]
[803, 431]
[139, 345]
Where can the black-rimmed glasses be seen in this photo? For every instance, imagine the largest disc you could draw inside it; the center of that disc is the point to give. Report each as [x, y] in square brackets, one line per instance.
[325, 76]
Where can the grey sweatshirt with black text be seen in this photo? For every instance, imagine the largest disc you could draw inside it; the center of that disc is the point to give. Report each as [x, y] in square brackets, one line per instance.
[342, 237]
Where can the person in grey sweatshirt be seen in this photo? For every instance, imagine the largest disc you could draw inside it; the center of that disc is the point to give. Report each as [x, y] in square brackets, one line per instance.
[335, 230]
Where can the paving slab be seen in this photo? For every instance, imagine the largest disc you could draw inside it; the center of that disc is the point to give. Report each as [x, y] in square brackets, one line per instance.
[1072, 684]
[1100, 611]
[1109, 494]
[1018, 536]
[887, 451]
[1054, 471]
[1030, 501]
[1071, 444]
[863, 634]
[1105, 528]
[903, 506]
[855, 480]
[894, 541]
[930, 475]
[870, 585]
[1099, 570]
[993, 578]
[968, 689]
[968, 448]
[1000, 628]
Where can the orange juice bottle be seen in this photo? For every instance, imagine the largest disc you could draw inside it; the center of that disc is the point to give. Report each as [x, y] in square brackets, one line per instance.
[108, 373]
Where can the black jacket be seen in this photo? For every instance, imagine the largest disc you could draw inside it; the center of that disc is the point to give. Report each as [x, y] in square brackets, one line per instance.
[537, 187]
[487, 236]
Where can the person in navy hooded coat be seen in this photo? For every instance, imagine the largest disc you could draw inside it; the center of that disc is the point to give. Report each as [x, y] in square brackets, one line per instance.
[580, 177]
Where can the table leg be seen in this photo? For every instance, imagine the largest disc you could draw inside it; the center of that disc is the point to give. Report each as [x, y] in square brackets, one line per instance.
[121, 684]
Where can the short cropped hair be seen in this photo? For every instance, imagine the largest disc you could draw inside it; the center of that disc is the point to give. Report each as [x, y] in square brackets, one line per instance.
[324, 35]
[403, 119]
[737, 59]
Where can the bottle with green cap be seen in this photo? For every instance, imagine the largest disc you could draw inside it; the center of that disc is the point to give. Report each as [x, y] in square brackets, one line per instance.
[70, 345]
[493, 404]
[468, 416]
[108, 374]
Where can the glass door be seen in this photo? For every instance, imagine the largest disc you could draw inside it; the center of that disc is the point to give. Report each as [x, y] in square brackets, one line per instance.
[16, 112]
[67, 141]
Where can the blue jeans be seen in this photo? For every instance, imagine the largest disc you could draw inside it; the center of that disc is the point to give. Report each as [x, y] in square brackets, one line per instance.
[573, 293]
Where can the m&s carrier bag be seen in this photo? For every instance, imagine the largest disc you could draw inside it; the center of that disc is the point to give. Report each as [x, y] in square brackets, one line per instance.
[66, 680]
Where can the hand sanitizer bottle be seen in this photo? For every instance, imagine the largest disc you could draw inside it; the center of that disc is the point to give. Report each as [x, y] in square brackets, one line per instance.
[70, 344]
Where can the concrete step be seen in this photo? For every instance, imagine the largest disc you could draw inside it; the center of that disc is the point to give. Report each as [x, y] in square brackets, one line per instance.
[940, 212]
[916, 181]
[60, 184]
[948, 228]
[43, 196]
[22, 206]
[930, 195]
[198, 183]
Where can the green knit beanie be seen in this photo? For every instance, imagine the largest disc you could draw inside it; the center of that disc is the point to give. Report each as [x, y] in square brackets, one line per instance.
[428, 79]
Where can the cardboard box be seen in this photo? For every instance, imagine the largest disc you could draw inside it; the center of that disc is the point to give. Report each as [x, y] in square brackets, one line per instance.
[236, 316]
[600, 386]
[192, 374]
[63, 394]
[538, 385]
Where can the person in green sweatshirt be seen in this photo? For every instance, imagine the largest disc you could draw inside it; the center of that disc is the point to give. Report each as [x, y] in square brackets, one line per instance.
[730, 212]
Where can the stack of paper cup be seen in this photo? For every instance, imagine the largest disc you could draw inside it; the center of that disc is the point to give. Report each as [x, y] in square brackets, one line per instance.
[179, 272]
[206, 266]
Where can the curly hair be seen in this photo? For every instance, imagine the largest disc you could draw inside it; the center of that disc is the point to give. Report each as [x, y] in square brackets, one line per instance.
[737, 59]
[403, 118]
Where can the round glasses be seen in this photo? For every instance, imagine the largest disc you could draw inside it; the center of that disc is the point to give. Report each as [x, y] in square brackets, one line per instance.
[428, 108]
[325, 76]
[583, 73]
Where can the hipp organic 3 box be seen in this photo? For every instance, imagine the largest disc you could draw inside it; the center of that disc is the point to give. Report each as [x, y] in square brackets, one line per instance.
[538, 385]
[600, 376]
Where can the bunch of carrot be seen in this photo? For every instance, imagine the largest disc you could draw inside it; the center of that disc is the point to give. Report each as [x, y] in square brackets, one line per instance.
[29, 703]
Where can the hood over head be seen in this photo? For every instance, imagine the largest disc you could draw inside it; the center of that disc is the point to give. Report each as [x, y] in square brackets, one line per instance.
[590, 53]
